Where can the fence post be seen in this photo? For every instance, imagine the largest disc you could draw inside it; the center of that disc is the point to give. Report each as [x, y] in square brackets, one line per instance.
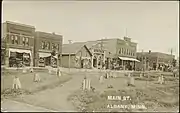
[16, 83]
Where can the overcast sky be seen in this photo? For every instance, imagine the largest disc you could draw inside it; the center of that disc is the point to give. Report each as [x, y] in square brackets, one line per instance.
[153, 25]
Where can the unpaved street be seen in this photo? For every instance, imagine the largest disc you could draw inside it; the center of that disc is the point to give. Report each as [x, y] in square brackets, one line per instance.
[56, 98]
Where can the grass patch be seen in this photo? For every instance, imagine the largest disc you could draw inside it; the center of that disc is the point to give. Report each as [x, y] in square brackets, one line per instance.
[95, 101]
[29, 86]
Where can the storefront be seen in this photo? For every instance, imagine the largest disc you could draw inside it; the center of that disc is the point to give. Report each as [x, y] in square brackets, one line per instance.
[2, 56]
[19, 57]
[126, 63]
[82, 62]
[46, 59]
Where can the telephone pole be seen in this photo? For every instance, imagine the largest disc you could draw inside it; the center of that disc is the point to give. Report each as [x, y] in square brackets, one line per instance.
[70, 41]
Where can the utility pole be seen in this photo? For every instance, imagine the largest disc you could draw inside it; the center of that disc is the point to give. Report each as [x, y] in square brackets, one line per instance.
[101, 58]
[70, 41]
[172, 55]
[144, 62]
[126, 33]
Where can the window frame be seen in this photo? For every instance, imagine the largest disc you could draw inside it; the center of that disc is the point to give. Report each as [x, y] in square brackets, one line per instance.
[12, 39]
[27, 41]
[42, 44]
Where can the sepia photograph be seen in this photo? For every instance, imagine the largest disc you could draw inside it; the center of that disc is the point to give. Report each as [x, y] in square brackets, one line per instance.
[89, 56]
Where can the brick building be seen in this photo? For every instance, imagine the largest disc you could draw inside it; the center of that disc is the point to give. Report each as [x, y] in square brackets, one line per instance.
[17, 44]
[120, 53]
[45, 44]
[154, 60]
[76, 55]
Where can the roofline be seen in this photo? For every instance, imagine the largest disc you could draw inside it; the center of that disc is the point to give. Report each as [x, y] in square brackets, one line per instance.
[88, 50]
[49, 33]
[16, 23]
[117, 39]
[156, 52]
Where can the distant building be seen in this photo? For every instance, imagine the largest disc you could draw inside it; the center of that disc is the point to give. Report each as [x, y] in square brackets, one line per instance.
[45, 44]
[154, 60]
[76, 55]
[97, 51]
[120, 53]
[177, 62]
[17, 44]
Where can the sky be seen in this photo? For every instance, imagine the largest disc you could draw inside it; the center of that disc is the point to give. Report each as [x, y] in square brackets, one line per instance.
[153, 25]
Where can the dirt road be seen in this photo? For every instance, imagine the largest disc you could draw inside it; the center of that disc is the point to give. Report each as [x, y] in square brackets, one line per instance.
[11, 106]
[56, 98]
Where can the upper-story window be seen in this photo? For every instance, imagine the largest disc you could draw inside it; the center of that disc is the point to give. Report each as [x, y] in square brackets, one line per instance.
[99, 45]
[130, 53]
[16, 39]
[25, 41]
[53, 46]
[57, 47]
[12, 39]
[42, 45]
[120, 51]
[48, 45]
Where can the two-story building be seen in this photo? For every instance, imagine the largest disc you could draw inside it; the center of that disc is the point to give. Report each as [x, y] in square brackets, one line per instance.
[120, 53]
[18, 44]
[45, 44]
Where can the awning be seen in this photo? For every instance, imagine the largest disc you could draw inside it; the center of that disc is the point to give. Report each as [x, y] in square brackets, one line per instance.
[19, 51]
[130, 59]
[44, 54]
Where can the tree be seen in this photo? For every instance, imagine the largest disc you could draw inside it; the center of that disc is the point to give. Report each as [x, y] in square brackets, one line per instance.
[174, 63]
[53, 53]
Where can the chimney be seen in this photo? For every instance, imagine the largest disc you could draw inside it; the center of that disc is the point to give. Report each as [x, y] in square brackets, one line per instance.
[127, 39]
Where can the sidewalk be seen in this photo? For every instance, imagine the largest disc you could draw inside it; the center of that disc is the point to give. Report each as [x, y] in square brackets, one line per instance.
[14, 106]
